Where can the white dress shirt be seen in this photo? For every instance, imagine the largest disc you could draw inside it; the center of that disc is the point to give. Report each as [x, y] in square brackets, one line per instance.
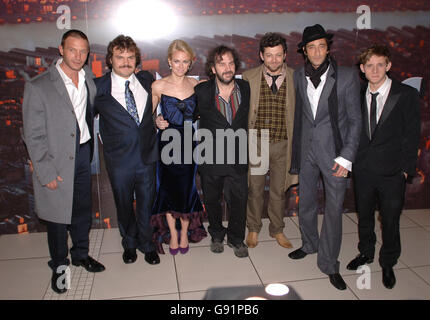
[314, 95]
[78, 97]
[381, 98]
[139, 93]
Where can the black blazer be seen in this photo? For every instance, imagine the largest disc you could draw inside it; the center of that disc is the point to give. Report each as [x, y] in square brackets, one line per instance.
[123, 141]
[212, 119]
[394, 145]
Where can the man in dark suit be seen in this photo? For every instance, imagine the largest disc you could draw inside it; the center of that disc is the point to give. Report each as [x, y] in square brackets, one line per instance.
[124, 102]
[327, 124]
[58, 132]
[223, 105]
[386, 159]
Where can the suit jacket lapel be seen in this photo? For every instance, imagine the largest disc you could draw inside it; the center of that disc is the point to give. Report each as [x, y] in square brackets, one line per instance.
[365, 112]
[59, 85]
[328, 87]
[148, 106]
[107, 92]
[304, 93]
[392, 99]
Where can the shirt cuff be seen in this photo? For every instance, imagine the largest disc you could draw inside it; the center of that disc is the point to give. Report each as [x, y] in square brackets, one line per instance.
[344, 163]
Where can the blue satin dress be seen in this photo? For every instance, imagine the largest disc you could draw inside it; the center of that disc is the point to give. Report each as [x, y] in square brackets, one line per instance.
[176, 187]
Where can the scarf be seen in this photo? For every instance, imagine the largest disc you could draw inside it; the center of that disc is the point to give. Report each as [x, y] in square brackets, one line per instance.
[315, 74]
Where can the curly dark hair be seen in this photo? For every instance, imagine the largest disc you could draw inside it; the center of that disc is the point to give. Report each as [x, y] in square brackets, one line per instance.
[122, 43]
[272, 39]
[216, 54]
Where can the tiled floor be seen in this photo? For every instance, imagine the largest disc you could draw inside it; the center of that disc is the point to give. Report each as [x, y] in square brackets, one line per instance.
[24, 273]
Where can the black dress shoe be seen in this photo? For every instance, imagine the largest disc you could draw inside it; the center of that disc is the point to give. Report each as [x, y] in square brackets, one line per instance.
[359, 260]
[129, 255]
[152, 257]
[337, 281]
[388, 278]
[54, 284]
[297, 254]
[89, 264]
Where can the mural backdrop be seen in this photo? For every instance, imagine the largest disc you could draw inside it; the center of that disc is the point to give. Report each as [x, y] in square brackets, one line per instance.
[30, 32]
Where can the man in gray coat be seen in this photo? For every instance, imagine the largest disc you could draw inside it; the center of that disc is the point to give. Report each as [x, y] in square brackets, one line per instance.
[58, 132]
[327, 126]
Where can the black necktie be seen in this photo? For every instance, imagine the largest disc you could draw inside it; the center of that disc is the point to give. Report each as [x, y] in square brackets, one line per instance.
[274, 87]
[373, 113]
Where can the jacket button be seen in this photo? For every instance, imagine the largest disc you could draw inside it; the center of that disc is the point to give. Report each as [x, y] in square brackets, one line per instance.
[71, 157]
[72, 134]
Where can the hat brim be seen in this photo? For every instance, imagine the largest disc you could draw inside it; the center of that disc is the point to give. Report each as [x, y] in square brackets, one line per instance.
[315, 37]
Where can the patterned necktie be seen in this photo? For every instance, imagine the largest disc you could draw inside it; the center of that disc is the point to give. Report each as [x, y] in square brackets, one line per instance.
[373, 113]
[274, 87]
[131, 103]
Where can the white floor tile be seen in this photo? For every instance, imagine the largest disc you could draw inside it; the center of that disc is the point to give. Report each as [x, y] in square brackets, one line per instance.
[408, 286]
[421, 217]
[24, 279]
[273, 264]
[19, 246]
[423, 272]
[415, 247]
[320, 289]
[121, 280]
[171, 296]
[193, 295]
[111, 241]
[201, 269]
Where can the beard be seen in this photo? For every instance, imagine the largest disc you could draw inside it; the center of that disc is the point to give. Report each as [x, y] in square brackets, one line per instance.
[223, 80]
[272, 70]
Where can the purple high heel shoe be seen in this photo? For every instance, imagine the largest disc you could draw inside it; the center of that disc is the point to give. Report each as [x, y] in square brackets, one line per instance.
[184, 250]
[174, 252]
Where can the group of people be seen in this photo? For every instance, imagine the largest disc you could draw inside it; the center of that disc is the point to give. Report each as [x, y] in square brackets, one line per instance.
[319, 123]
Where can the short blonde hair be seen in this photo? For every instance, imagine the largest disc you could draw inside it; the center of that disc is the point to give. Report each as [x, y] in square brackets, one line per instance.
[180, 45]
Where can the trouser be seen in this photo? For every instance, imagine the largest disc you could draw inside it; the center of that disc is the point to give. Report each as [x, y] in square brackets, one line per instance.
[235, 194]
[276, 206]
[81, 216]
[328, 243]
[135, 228]
[389, 193]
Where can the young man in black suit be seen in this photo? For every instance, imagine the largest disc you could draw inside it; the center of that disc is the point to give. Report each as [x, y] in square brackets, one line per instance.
[223, 105]
[386, 159]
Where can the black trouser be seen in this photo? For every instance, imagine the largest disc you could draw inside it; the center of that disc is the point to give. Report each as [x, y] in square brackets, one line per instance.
[388, 192]
[81, 216]
[235, 188]
[134, 227]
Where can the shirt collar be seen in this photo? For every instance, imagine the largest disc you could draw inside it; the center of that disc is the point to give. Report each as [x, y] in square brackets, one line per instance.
[120, 81]
[283, 70]
[382, 89]
[65, 77]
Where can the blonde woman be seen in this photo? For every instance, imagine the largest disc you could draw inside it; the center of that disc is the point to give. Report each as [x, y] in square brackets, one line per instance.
[177, 212]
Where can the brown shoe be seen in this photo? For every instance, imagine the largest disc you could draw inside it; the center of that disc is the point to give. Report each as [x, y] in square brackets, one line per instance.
[282, 240]
[252, 239]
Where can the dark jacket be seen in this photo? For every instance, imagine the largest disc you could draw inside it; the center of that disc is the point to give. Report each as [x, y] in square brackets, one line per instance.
[212, 119]
[395, 141]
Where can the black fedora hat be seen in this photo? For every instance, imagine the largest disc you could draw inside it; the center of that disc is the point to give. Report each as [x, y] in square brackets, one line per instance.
[313, 33]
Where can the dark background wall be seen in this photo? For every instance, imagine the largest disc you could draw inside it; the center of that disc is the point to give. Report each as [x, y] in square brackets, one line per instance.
[30, 32]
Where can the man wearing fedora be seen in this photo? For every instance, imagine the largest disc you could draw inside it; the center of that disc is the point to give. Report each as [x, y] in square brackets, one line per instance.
[327, 124]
